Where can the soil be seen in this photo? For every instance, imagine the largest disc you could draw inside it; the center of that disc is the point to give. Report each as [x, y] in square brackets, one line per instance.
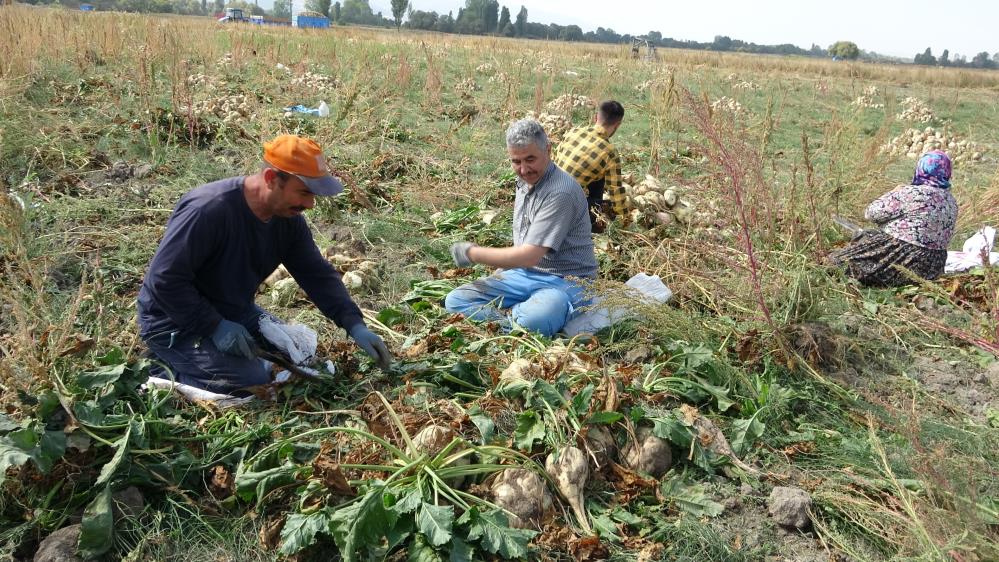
[748, 528]
[967, 386]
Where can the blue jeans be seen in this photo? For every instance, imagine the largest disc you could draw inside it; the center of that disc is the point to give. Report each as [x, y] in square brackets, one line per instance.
[195, 361]
[539, 302]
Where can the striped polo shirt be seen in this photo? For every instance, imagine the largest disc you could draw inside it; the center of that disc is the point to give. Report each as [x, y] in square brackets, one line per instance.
[553, 213]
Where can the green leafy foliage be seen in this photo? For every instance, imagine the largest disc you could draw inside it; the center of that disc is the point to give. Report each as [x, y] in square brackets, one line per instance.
[300, 530]
[491, 529]
[251, 485]
[116, 462]
[97, 527]
[420, 550]
[435, 521]
[745, 432]
[363, 522]
[31, 443]
[530, 428]
[690, 498]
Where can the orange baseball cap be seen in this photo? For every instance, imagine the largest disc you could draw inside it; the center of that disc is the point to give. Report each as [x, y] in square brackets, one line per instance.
[303, 158]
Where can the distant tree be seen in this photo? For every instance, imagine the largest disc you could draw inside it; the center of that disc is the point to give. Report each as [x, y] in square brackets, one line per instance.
[926, 58]
[248, 8]
[508, 30]
[995, 58]
[357, 11]
[282, 9]
[570, 33]
[944, 59]
[490, 16]
[398, 9]
[844, 50]
[418, 19]
[655, 37]
[504, 20]
[982, 60]
[335, 16]
[321, 6]
[445, 24]
[520, 26]
[607, 36]
[722, 43]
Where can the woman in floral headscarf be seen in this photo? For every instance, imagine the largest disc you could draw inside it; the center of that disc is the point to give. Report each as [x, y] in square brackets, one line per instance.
[915, 224]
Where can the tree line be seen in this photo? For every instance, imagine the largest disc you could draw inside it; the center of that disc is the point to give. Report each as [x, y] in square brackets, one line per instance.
[981, 60]
[487, 17]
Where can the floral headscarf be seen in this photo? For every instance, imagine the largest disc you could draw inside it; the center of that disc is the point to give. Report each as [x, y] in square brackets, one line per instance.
[933, 169]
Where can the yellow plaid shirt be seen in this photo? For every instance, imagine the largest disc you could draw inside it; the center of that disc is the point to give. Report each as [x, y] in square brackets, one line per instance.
[588, 155]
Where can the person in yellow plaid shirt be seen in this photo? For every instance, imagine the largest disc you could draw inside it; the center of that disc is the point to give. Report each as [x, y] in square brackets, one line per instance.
[587, 154]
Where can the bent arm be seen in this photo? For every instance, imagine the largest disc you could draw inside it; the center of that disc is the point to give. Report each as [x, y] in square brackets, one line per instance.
[615, 187]
[320, 281]
[886, 208]
[525, 255]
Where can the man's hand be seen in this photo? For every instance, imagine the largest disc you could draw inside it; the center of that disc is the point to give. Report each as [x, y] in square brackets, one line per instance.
[459, 252]
[232, 338]
[372, 345]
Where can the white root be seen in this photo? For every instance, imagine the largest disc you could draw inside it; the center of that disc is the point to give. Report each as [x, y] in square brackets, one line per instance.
[570, 471]
[431, 440]
[518, 370]
[523, 494]
[600, 445]
[278, 274]
[647, 453]
[353, 280]
[713, 439]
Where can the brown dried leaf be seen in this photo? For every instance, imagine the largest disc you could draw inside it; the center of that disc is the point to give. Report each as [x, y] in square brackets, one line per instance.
[611, 400]
[270, 532]
[79, 345]
[589, 548]
[222, 483]
[628, 483]
[748, 347]
[374, 414]
[417, 349]
[328, 471]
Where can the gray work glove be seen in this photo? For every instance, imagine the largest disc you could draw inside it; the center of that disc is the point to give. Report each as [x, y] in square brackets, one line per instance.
[372, 345]
[234, 339]
[459, 252]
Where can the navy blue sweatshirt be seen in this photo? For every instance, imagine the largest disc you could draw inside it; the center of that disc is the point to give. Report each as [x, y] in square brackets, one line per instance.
[214, 255]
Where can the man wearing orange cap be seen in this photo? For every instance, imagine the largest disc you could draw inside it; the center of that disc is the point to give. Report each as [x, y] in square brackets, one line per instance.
[196, 309]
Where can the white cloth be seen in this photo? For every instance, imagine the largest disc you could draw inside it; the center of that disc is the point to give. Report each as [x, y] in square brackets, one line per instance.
[195, 393]
[297, 341]
[647, 289]
[971, 254]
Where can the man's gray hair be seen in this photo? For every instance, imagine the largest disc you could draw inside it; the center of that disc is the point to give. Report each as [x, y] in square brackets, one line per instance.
[522, 133]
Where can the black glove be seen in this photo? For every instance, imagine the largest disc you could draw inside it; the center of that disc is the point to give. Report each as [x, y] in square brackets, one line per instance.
[372, 345]
[232, 338]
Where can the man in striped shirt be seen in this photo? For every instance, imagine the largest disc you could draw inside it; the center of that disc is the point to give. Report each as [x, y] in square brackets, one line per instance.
[588, 155]
[552, 250]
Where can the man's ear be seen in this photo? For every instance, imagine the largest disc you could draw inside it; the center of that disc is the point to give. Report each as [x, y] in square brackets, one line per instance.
[272, 179]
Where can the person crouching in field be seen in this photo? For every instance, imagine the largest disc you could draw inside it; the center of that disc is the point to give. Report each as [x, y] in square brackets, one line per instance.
[587, 154]
[552, 245]
[195, 308]
[915, 223]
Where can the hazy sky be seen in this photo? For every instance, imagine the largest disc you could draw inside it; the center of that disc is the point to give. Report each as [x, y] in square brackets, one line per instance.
[893, 27]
